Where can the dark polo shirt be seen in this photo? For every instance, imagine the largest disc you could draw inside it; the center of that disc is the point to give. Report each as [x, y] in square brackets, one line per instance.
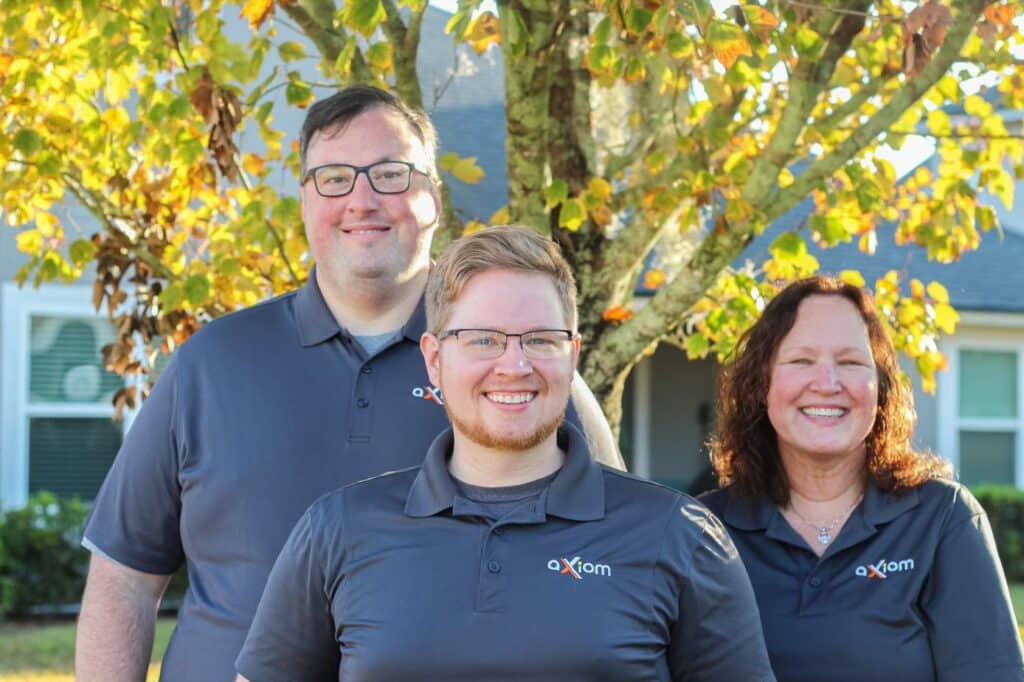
[910, 590]
[256, 416]
[604, 576]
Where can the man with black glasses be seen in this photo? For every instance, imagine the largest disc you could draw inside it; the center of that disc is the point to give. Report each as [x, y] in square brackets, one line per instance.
[263, 411]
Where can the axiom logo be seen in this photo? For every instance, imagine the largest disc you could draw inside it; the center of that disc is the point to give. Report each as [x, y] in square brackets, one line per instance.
[428, 393]
[881, 569]
[576, 568]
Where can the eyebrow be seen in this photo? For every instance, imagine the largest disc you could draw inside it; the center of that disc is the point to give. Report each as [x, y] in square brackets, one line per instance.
[812, 349]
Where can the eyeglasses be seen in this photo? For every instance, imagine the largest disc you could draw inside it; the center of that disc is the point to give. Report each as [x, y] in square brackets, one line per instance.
[338, 179]
[488, 344]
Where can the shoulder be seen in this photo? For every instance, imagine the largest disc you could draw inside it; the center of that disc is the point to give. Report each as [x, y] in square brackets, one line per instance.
[386, 491]
[236, 330]
[716, 500]
[683, 517]
[949, 499]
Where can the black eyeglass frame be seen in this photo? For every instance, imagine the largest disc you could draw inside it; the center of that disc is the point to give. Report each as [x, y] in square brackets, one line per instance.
[449, 333]
[365, 170]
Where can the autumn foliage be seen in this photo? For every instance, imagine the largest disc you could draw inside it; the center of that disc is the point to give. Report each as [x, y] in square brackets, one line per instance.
[646, 137]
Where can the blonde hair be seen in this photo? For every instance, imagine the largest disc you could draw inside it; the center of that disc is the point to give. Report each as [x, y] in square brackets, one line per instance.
[504, 247]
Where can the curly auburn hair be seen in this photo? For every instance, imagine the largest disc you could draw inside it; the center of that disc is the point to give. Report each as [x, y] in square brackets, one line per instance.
[744, 450]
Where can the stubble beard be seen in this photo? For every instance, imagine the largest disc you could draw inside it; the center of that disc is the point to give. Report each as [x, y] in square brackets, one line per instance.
[477, 433]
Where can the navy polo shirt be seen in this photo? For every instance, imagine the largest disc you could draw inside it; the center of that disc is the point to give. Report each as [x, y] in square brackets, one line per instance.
[257, 415]
[604, 576]
[911, 589]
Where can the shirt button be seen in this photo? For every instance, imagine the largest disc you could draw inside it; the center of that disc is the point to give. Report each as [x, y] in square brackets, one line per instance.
[493, 566]
[498, 531]
[367, 370]
[815, 581]
[362, 402]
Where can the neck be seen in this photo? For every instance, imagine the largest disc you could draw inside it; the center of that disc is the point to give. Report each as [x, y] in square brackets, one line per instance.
[368, 307]
[819, 482]
[494, 467]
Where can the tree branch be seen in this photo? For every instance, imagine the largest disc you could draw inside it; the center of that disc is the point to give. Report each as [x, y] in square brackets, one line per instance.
[316, 19]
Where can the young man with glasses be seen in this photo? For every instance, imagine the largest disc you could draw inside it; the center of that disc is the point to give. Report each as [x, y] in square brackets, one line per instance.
[510, 554]
[263, 411]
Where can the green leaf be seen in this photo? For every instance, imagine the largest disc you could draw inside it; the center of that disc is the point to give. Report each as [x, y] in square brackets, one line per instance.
[197, 289]
[807, 42]
[556, 192]
[602, 32]
[298, 94]
[172, 296]
[291, 50]
[679, 45]
[697, 345]
[638, 19]
[728, 42]
[363, 16]
[600, 57]
[82, 251]
[28, 142]
[573, 214]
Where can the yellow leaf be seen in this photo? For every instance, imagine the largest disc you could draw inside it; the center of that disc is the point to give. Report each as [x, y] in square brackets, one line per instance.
[464, 169]
[253, 164]
[761, 21]
[617, 314]
[852, 277]
[500, 217]
[116, 119]
[47, 224]
[786, 178]
[938, 293]
[483, 32]
[946, 318]
[473, 226]
[257, 11]
[30, 242]
[654, 278]
[917, 289]
[600, 189]
[728, 42]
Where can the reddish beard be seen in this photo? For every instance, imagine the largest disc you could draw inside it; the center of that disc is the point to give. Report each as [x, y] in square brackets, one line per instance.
[477, 433]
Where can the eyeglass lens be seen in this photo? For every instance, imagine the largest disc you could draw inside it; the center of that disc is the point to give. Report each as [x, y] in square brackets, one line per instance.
[386, 177]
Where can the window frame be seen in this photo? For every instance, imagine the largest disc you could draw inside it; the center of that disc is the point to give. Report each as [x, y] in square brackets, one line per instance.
[19, 306]
[950, 421]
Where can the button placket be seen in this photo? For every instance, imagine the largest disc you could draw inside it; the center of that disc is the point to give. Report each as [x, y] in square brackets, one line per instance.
[491, 595]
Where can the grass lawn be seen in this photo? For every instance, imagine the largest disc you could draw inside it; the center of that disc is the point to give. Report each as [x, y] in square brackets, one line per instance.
[46, 652]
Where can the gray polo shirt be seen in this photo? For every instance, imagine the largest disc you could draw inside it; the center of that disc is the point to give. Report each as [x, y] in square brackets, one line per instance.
[256, 416]
[604, 576]
[911, 589]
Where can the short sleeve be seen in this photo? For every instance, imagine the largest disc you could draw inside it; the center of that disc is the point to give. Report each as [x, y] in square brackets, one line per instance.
[292, 636]
[135, 517]
[966, 604]
[717, 634]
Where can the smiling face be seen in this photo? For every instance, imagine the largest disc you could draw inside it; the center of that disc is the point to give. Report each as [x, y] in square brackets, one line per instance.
[383, 238]
[512, 402]
[823, 394]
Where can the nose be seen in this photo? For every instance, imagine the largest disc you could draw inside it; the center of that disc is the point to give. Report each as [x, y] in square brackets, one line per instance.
[362, 197]
[513, 361]
[826, 377]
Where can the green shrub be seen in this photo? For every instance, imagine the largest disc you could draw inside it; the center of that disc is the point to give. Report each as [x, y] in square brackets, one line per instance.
[41, 557]
[42, 562]
[1005, 508]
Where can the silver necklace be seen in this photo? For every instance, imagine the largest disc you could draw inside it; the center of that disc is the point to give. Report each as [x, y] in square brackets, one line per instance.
[825, 532]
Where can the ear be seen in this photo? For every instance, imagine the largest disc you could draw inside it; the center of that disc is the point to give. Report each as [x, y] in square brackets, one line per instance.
[430, 347]
[577, 344]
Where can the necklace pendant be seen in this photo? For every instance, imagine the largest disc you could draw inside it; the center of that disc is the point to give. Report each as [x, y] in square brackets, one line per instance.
[824, 536]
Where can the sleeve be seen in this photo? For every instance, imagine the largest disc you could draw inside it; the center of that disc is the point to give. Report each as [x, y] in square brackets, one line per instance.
[586, 413]
[134, 520]
[966, 604]
[717, 633]
[292, 636]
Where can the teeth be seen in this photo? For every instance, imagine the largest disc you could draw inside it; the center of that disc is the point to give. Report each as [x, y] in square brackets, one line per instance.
[510, 398]
[823, 411]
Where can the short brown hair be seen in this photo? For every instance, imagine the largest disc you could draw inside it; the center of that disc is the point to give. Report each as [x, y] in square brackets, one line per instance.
[745, 449]
[506, 247]
[338, 110]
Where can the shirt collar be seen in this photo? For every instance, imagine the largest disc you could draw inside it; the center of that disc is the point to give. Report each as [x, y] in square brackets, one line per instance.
[576, 493]
[878, 507]
[316, 323]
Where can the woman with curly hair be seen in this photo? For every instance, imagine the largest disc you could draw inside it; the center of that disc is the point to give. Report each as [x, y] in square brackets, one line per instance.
[868, 562]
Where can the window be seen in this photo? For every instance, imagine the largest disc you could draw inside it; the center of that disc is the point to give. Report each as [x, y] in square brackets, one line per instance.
[986, 432]
[57, 430]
